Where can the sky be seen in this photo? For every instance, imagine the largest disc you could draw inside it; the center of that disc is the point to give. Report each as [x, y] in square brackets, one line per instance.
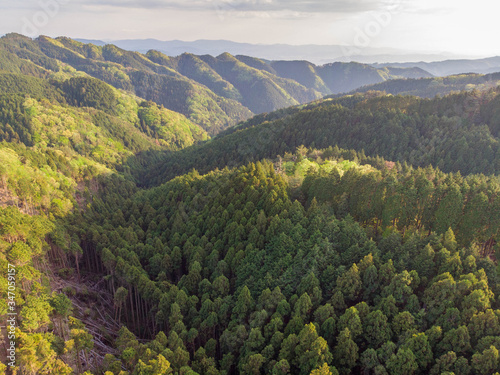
[466, 28]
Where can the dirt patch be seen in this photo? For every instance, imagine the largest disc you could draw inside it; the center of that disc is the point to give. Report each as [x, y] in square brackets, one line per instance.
[8, 199]
[80, 196]
[93, 305]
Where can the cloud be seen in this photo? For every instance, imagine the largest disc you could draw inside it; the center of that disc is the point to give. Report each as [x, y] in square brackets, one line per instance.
[300, 6]
[437, 10]
[18, 5]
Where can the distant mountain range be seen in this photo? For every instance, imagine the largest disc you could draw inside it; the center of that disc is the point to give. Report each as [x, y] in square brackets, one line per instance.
[431, 87]
[215, 93]
[449, 67]
[212, 92]
[317, 54]
[438, 64]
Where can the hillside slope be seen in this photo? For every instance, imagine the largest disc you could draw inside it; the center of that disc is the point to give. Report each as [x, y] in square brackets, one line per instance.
[129, 71]
[430, 87]
[213, 92]
[457, 133]
[451, 67]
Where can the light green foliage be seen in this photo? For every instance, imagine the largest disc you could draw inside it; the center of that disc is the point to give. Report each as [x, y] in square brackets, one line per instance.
[170, 128]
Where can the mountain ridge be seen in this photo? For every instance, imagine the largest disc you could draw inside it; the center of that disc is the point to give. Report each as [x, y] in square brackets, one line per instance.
[213, 92]
[318, 54]
[450, 67]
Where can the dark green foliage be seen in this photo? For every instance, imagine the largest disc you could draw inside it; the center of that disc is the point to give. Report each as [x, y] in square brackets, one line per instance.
[35, 87]
[446, 133]
[427, 87]
[90, 92]
[245, 277]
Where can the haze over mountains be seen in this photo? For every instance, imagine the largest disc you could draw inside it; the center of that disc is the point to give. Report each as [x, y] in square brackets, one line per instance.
[430, 87]
[317, 54]
[449, 67]
[438, 64]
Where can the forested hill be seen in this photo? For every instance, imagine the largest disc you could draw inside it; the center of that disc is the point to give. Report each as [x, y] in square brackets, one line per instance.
[213, 92]
[227, 274]
[64, 58]
[430, 87]
[457, 133]
[449, 67]
[333, 78]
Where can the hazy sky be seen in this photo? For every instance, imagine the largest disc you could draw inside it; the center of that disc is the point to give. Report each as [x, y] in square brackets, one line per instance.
[458, 26]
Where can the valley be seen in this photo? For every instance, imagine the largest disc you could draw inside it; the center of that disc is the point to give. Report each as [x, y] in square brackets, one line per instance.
[227, 215]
